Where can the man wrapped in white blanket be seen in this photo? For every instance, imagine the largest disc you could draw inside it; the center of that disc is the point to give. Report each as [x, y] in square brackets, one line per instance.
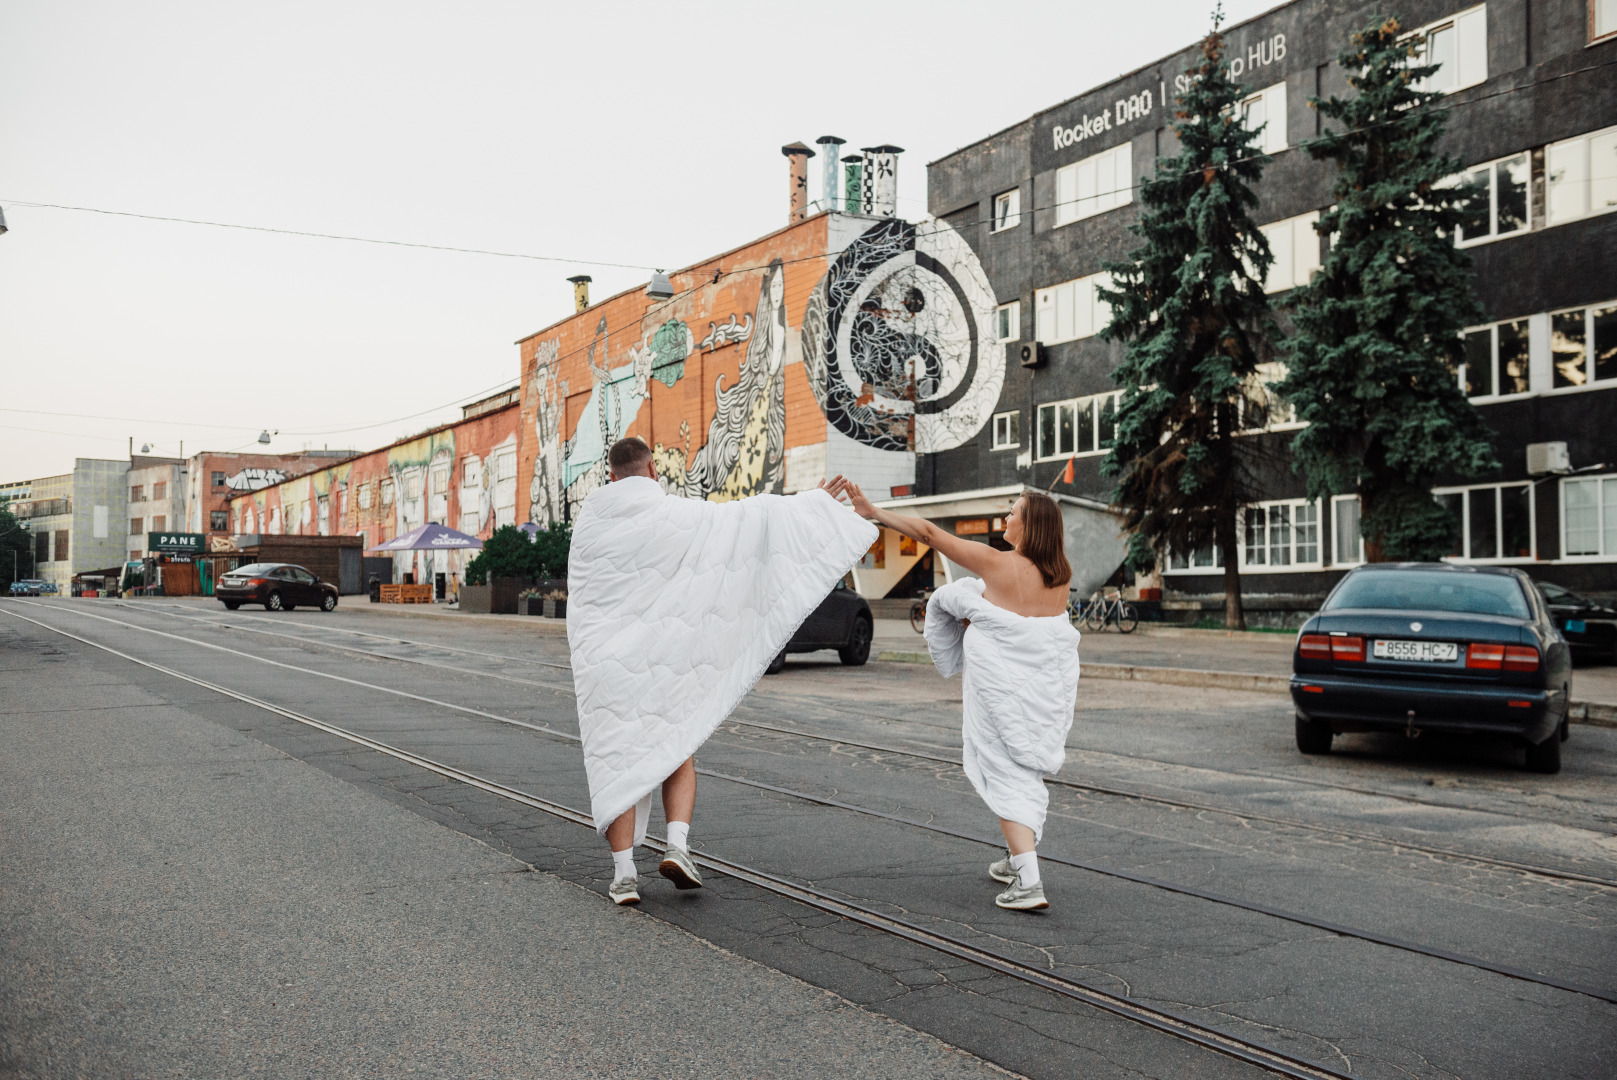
[1008, 631]
[675, 608]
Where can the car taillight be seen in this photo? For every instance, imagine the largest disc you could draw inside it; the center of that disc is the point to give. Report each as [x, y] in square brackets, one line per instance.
[1317, 646]
[1347, 648]
[1485, 657]
[257, 581]
[1521, 658]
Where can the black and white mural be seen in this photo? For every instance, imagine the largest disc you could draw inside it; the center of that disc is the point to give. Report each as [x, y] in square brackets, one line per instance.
[898, 339]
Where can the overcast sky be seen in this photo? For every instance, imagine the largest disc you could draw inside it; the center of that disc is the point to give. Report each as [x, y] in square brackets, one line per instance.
[646, 134]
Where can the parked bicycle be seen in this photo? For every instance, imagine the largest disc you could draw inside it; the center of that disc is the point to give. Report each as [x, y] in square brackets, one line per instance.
[918, 612]
[1105, 607]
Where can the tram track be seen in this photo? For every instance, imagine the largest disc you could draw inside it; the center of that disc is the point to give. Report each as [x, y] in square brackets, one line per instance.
[1297, 918]
[1397, 844]
[1159, 1019]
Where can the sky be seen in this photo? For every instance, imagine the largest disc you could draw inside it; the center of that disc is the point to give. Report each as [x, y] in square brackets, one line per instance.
[642, 134]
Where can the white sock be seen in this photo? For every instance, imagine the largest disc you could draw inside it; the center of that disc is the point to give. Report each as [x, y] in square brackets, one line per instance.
[1026, 866]
[679, 834]
[623, 863]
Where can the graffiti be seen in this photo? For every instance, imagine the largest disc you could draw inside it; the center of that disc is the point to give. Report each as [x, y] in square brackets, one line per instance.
[549, 396]
[729, 333]
[253, 479]
[896, 336]
[670, 345]
[746, 439]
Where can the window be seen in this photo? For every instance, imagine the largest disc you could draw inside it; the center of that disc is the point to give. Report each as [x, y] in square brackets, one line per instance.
[42, 547]
[1008, 321]
[137, 493]
[63, 544]
[364, 496]
[218, 520]
[1262, 409]
[1602, 19]
[1295, 246]
[137, 526]
[218, 479]
[1007, 430]
[1583, 345]
[1280, 534]
[387, 492]
[1580, 176]
[1496, 360]
[1086, 425]
[1491, 522]
[1072, 309]
[1345, 527]
[1095, 185]
[1007, 209]
[1267, 110]
[1498, 206]
[1459, 48]
[160, 490]
[160, 523]
[1589, 517]
[1207, 558]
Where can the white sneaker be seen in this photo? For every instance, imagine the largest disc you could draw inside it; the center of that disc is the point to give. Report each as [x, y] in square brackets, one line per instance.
[624, 890]
[1002, 871]
[1023, 898]
[678, 868]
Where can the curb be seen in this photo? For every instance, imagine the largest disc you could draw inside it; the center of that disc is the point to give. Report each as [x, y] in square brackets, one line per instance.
[1593, 713]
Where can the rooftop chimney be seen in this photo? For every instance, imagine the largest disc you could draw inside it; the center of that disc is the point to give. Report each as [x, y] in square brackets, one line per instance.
[799, 155]
[829, 178]
[853, 190]
[881, 179]
[581, 291]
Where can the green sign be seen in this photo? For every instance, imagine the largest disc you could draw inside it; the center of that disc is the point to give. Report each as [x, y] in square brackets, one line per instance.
[177, 543]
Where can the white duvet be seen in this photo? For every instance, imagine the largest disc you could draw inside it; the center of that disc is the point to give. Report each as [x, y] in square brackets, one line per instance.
[1018, 691]
[675, 608]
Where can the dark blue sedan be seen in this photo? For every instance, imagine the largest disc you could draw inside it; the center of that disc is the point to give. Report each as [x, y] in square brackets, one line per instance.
[1415, 647]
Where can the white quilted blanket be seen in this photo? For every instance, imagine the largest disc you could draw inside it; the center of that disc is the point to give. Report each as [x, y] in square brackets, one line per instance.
[1018, 693]
[675, 608]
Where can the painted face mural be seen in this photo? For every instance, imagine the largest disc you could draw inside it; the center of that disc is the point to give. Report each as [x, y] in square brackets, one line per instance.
[897, 339]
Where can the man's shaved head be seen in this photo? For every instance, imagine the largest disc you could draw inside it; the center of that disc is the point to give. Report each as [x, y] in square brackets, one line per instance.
[628, 457]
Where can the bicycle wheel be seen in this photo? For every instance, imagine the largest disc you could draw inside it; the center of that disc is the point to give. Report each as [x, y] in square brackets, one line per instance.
[1127, 618]
[918, 618]
[1075, 614]
[1095, 616]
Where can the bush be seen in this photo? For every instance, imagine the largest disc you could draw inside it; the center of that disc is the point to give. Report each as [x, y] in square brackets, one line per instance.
[509, 553]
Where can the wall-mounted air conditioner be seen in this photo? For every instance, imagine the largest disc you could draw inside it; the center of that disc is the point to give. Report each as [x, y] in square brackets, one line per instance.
[1544, 458]
[1029, 353]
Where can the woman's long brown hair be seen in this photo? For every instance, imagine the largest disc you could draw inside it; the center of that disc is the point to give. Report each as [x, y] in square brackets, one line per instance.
[1044, 538]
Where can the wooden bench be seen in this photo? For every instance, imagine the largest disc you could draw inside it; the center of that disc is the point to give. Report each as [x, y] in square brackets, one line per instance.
[405, 594]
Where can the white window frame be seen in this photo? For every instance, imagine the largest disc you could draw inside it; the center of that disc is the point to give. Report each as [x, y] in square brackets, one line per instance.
[1273, 138]
[1079, 193]
[1296, 249]
[1192, 563]
[1569, 176]
[1271, 372]
[1267, 513]
[364, 496]
[1590, 382]
[1005, 425]
[1008, 321]
[1492, 185]
[1605, 486]
[1007, 210]
[1071, 310]
[1053, 410]
[1602, 20]
[1492, 393]
[1470, 29]
[1337, 525]
[1464, 491]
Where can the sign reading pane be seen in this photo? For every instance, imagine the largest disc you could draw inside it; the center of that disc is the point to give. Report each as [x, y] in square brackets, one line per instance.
[1516, 522]
[1484, 540]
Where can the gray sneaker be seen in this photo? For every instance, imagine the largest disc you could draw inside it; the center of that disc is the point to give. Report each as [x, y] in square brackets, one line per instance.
[1002, 871]
[1023, 898]
[624, 890]
[678, 868]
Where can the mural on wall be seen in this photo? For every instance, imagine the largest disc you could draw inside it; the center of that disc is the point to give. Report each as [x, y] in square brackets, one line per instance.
[897, 339]
[745, 451]
[549, 396]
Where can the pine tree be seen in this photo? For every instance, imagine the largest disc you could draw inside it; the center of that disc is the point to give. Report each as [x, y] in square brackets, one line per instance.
[1377, 341]
[1190, 305]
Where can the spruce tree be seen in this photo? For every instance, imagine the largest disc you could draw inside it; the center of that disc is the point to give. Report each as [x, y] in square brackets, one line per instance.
[1190, 305]
[1377, 332]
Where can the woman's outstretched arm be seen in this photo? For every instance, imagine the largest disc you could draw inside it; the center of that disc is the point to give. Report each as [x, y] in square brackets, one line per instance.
[977, 558]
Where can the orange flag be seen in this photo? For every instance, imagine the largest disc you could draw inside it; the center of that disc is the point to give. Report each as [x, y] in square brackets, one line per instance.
[1066, 474]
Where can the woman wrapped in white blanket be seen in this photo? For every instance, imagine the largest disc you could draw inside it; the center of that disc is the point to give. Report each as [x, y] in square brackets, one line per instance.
[1007, 631]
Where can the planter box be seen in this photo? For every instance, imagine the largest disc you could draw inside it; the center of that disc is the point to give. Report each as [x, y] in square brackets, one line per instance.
[555, 609]
[474, 599]
[530, 605]
[498, 597]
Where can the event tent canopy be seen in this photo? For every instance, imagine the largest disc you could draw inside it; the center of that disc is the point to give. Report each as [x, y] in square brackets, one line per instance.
[431, 537]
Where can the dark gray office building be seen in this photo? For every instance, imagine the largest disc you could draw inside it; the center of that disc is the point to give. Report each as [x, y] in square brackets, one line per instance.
[1532, 93]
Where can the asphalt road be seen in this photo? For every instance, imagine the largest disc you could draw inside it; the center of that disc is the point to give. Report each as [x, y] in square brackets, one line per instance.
[1365, 911]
